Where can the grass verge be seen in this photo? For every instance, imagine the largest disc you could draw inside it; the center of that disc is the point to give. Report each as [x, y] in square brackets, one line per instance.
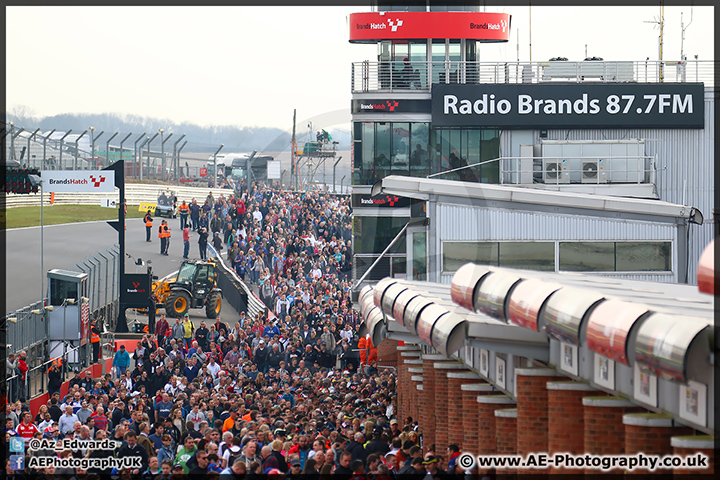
[56, 214]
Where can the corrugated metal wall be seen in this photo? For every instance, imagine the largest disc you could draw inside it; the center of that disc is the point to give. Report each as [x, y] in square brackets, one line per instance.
[463, 223]
[685, 166]
[486, 224]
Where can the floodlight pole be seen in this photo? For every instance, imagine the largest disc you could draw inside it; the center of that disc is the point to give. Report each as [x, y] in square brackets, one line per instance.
[62, 140]
[92, 150]
[28, 144]
[215, 162]
[162, 150]
[136, 159]
[107, 148]
[12, 139]
[77, 149]
[176, 161]
[148, 157]
[121, 144]
[45, 139]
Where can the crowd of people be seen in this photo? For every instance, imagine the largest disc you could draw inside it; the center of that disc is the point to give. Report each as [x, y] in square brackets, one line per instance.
[294, 391]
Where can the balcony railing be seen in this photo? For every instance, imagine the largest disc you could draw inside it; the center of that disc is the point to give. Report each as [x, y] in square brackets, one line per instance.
[420, 76]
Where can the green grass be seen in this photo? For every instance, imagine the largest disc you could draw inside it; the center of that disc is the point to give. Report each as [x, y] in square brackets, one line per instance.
[56, 214]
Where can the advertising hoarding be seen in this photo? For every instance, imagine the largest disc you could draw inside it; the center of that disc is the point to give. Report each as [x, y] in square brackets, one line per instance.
[369, 27]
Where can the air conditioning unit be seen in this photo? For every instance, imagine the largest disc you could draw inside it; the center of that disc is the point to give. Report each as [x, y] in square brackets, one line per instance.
[555, 171]
[593, 171]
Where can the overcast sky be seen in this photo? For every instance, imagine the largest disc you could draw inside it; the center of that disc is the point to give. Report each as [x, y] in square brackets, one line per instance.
[250, 66]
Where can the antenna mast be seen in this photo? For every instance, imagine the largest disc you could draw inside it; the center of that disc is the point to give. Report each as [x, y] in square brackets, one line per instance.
[682, 33]
[660, 21]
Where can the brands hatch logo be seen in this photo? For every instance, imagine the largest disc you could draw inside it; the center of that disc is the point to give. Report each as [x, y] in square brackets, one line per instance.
[503, 24]
[395, 24]
[135, 288]
[97, 181]
[389, 106]
[390, 200]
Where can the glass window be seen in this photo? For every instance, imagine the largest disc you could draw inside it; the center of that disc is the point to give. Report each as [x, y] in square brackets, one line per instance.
[587, 256]
[457, 254]
[419, 260]
[489, 150]
[383, 150]
[438, 61]
[471, 146]
[642, 257]
[616, 256]
[419, 144]
[528, 255]
[368, 152]
[373, 234]
[418, 61]
[400, 148]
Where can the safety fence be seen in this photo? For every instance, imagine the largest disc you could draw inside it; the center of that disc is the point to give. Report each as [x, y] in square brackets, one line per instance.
[103, 287]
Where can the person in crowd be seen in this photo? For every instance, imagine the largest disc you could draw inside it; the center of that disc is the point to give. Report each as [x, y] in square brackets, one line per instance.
[263, 397]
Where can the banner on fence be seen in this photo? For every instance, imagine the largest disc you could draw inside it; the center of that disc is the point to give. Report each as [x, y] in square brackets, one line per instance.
[108, 203]
[78, 181]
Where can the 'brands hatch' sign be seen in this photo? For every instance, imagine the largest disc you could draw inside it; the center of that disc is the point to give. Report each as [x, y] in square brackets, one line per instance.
[569, 106]
[78, 181]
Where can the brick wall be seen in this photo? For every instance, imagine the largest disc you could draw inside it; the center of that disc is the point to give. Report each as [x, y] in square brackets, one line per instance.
[506, 435]
[427, 400]
[532, 412]
[457, 416]
[487, 434]
[689, 446]
[471, 427]
[604, 431]
[651, 433]
[566, 431]
[406, 352]
[388, 353]
[411, 400]
[442, 410]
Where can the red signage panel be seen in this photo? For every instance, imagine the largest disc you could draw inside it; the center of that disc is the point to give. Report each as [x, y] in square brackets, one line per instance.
[374, 26]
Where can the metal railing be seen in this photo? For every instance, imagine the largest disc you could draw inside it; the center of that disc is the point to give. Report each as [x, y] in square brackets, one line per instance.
[37, 379]
[420, 76]
[390, 265]
[25, 329]
[560, 170]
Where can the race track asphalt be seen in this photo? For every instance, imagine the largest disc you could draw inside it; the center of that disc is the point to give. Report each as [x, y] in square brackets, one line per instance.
[67, 245]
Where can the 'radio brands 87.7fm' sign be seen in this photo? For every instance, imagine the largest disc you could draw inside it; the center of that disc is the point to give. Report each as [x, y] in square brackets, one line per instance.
[569, 106]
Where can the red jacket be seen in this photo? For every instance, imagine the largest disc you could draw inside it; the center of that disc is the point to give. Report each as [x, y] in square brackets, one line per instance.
[22, 365]
[162, 328]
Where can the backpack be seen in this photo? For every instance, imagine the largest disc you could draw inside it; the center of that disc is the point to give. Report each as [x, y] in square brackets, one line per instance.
[233, 457]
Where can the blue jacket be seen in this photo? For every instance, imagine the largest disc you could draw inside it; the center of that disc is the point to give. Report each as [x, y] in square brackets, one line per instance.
[122, 359]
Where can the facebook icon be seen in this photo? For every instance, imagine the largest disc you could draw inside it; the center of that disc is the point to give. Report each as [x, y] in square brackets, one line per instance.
[17, 462]
[17, 445]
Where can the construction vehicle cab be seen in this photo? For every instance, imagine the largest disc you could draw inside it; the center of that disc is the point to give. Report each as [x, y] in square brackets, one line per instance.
[194, 287]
